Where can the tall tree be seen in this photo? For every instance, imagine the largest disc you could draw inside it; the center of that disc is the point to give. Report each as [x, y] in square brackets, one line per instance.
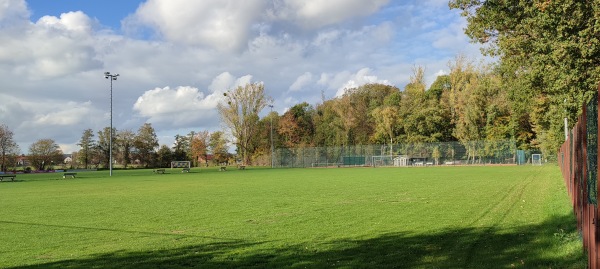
[386, 124]
[549, 53]
[164, 156]
[124, 142]
[218, 146]
[296, 126]
[103, 145]
[146, 144]
[87, 145]
[329, 128]
[8, 148]
[181, 147]
[239, 111]
[44, 152]
[199, 147]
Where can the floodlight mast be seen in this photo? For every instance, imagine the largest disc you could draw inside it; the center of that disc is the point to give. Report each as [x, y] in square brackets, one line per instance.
[111, 77]
[271, 116]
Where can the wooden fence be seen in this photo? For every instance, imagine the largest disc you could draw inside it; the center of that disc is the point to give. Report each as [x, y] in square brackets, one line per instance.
[579, 165]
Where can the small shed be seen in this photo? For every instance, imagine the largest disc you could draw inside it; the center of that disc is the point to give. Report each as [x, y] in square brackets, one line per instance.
[401, 161]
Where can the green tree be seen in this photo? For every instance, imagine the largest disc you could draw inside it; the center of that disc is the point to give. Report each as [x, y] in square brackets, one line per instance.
[181, 147]
[164, 156]
[8, 148]
[387, 121]
[43, 153]
[87, 146]
[146, 144]
[103, 145]
[549, 54]
[124, 145]
[239, 111]
[329, 129]
[218, 147]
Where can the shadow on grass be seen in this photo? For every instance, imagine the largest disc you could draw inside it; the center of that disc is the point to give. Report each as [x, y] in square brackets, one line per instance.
[533, 246]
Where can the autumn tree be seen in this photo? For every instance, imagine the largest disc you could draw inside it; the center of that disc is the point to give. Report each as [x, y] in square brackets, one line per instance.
[199, 146]
[296, 127]
[239, 112]
[8, 148]
[387, 121]
[44, 152]
[218, 146]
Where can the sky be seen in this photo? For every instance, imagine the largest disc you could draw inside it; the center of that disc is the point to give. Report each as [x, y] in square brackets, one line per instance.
[176, 58]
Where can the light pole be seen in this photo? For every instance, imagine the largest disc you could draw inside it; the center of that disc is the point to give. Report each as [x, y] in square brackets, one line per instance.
[111, 77]
[271, 106]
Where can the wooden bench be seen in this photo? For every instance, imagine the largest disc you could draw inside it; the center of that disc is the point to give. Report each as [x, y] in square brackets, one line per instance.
[242, 167]
[159, 171]
[223, 168]
[186, 170]
[72, 175]
[12, 177]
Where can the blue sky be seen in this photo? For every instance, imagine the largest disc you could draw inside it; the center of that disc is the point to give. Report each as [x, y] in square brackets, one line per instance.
[177, 57]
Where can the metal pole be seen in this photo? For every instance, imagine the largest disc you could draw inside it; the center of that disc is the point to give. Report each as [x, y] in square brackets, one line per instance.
[272, 165]
[111, 134]
[111, 77]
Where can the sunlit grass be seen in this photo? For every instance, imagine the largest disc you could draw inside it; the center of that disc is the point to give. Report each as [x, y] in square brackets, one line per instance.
[434, 217]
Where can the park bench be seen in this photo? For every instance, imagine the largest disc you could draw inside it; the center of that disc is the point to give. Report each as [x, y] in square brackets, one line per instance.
[223, 168]
[70, 174]
[159, 171]
[242, 167]
[186, 170]
[12, 177]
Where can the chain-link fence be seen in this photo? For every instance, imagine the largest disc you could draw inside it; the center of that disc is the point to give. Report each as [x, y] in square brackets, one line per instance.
[578, 159]
[404, 154]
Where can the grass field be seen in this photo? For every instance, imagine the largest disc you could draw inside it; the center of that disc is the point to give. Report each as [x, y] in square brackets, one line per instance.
[438, 217]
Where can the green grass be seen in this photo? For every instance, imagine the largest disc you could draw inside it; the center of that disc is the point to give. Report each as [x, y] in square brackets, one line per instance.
[437, 217]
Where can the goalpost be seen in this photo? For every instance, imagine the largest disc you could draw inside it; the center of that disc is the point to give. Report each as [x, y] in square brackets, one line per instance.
[181, 164]
[383, 160]
[536, 159]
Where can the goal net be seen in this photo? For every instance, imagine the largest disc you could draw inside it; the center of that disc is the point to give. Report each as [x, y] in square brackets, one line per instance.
[536, 159]
[383, 160]
[181, 164]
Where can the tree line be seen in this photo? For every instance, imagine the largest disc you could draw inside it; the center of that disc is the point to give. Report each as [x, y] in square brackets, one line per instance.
[548, 66]
[470, 103]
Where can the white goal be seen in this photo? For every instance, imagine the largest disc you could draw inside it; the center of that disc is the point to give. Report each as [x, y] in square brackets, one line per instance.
[536, 159]
[181, 164]
[383, 160]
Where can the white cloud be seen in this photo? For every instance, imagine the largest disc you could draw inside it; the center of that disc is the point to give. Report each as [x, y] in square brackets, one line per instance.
[13, 12]
[76, 22]
[50, 48]
[220, 24]
[177, 106]
[361, 77]
[313, 14]
[302, 81]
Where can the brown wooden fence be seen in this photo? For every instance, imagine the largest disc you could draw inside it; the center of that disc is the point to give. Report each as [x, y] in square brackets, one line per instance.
[579, 165]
